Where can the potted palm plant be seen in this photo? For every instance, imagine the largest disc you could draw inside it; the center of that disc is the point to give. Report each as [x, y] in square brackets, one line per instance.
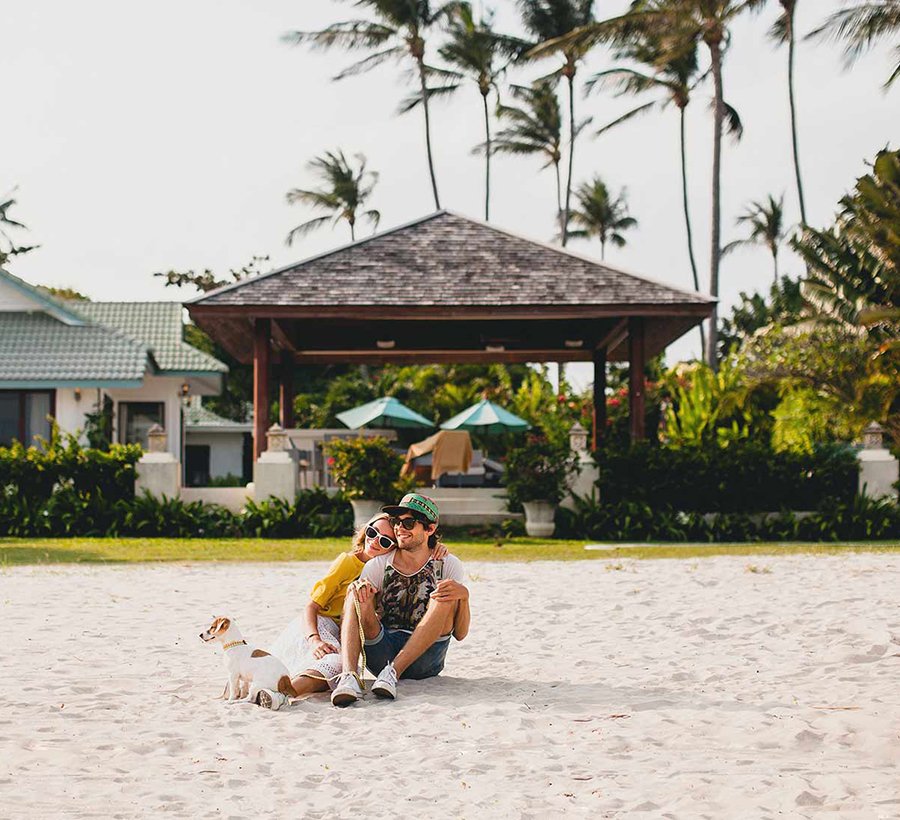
[537, 477]
[368, 472]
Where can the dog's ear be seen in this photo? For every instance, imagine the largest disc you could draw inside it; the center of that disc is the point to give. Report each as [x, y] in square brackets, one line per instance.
[224, 623]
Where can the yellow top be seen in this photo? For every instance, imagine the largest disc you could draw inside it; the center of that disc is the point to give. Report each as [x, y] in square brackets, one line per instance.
[329, 592]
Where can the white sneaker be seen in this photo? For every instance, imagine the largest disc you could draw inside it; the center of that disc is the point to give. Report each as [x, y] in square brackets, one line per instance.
[385, 685]
[272, 700]
[347, 691]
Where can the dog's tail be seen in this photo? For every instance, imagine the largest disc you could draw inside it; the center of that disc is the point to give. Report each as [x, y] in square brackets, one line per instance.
[285, 687]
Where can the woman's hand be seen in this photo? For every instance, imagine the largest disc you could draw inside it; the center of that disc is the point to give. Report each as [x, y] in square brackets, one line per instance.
[450, 591]
[320, 649]
[440, 552]
[364, 590]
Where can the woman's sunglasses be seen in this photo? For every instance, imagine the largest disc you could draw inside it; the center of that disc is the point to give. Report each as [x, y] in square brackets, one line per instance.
[406, 523]
[384, 541]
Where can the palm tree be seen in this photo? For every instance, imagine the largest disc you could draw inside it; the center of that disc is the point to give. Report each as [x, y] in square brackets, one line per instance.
[477, 52]
[861, 26]
[552, 22]
[398, 32]
[343, 194]
[783, 32]
[766, 222]
[680, 25]
[601, 215]
[535, 128]
[8, 247]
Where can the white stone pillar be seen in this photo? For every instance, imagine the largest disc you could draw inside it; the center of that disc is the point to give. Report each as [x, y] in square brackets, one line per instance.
[583, 482]
[878, 469]
[158, 471]
[276, 474]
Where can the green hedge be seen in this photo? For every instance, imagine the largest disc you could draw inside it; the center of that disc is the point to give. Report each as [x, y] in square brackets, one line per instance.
[860, 519]
[745, 477]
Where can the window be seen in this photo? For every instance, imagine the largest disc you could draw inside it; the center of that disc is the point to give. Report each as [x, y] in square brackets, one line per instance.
[24, 415]
[196, 465]
[136, 418]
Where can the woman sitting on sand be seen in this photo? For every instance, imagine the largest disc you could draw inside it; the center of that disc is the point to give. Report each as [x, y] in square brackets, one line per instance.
[310, 646]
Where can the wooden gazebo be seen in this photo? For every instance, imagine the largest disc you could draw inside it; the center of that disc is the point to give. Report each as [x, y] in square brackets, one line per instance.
[446, 288]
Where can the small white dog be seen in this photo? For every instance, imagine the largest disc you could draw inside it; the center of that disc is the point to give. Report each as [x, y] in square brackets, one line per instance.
[250, 670]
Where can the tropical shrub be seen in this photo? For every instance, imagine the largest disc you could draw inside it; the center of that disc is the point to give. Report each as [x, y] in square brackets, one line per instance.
[539, 470]
[365, 467]
[744, 477]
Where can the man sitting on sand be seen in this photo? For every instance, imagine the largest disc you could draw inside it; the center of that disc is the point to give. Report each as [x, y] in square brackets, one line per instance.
[422, 600]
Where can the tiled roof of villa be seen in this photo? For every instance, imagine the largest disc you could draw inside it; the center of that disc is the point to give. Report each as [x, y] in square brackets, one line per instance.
[37, 350]
[159, 325]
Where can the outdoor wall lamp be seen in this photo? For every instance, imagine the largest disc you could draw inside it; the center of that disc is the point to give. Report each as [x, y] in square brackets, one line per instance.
[385, 344]
[185, 389]
[574, 343]
[77, 394]
[494, 348]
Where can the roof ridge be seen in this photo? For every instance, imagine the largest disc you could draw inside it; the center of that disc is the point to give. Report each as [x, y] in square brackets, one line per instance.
[233, 285]
[41, 296]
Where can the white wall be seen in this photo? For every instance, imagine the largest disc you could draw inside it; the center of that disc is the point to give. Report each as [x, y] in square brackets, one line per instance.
[70, 412]
[226, 451]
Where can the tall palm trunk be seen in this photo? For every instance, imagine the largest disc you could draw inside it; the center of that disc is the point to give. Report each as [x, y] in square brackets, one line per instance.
[559, 208]
[715, 49]
[424, 86]
[352, 231]
[775, 263]
[687, 217]
[487, 157]
[790, 24]
[570, 76]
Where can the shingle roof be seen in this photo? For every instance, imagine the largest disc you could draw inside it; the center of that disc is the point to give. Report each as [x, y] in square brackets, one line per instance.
[196, 415]
[159, 326]
[448, 259]
[43, 351]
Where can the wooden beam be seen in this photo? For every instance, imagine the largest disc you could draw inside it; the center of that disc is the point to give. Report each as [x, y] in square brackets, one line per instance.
[636, 362]
[599, 413]
[614, 337]
[286, 393]
[451, 312]
[281, 337]
[262, 330]
[439, 356]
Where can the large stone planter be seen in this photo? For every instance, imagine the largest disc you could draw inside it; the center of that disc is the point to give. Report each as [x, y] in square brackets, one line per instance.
[539, 517]
[363, 510]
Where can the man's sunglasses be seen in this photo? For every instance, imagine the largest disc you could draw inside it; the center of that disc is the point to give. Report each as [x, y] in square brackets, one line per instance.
[406, 523]
[384, 541]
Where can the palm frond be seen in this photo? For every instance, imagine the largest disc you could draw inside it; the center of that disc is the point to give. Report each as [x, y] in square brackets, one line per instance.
[635, 112]
[372, 61]
[350, 34]
[305, 228]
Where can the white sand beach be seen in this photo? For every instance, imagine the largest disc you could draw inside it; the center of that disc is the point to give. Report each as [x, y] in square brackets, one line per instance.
[677, 689]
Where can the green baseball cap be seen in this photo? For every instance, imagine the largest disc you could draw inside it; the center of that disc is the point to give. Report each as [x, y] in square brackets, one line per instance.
[422, 505]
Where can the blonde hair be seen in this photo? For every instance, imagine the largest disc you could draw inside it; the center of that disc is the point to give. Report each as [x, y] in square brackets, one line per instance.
[359, 537]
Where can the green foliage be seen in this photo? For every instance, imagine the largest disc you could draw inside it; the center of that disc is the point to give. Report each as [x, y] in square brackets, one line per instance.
[783, 306]
[747, 477]
[707, 407]
[149, 516]
[57, 487]
[538, 470]
[314, 513]
[365, 467]
[98, 425]
[633, 521]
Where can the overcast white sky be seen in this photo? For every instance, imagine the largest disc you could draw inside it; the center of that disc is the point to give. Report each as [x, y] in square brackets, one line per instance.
[150, 136]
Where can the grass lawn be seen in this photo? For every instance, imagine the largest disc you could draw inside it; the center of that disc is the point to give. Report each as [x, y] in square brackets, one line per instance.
[15, 551]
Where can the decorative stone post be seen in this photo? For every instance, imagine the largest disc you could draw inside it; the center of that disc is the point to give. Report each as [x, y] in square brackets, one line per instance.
[878, 469]
[584, 481]
[275, 474]
[158, 471]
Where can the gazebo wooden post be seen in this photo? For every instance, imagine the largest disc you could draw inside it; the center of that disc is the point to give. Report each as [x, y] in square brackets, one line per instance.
[599, 412]
[262, 331]
[636, 362]
[286, 393]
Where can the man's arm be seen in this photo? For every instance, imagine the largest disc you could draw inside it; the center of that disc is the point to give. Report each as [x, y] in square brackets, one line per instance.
[450, 591]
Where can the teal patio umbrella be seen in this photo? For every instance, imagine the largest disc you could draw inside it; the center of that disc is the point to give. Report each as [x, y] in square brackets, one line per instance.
[485, 417]
[386, 411]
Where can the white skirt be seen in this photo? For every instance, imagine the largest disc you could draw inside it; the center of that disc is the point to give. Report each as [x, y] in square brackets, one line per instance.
[293, 650]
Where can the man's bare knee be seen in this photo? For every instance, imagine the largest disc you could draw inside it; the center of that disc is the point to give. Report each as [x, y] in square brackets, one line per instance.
[444, 612]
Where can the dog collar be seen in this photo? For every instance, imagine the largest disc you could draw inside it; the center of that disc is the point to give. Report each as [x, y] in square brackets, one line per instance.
[233, 644]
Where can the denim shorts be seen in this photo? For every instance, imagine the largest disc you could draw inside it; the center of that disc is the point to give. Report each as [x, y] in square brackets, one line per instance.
[383, 649]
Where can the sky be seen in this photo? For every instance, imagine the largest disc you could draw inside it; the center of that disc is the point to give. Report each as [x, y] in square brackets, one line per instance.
[141, 137]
